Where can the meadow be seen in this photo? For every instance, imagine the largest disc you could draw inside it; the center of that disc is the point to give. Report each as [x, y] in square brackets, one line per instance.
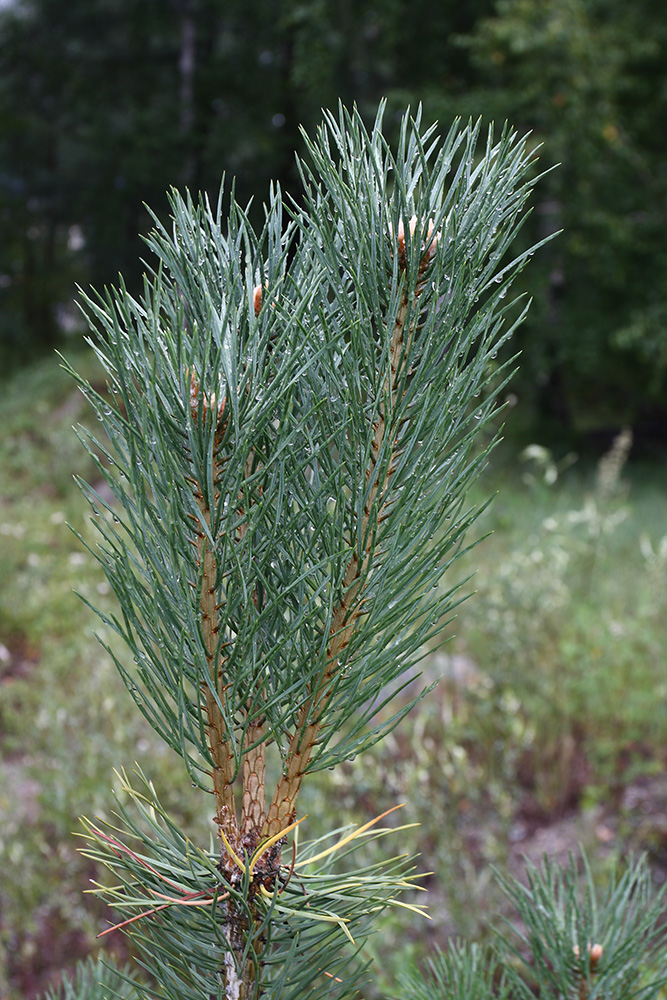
[548, 727]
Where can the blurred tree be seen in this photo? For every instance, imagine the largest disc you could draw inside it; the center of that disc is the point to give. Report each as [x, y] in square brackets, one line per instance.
[105, 103]
[87, 99]
[590, 78]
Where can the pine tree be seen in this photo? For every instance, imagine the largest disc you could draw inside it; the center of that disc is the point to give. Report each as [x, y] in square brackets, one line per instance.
[292, 425]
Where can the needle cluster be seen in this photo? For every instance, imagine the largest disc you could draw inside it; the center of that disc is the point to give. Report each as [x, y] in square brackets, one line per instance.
[291, 425]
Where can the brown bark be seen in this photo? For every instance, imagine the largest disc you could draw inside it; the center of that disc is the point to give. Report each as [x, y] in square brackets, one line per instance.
[239, 974]
[254, 774]
[223, 761]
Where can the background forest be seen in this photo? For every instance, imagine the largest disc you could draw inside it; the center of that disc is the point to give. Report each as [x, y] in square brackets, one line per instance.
[550, 726]
[104, 104]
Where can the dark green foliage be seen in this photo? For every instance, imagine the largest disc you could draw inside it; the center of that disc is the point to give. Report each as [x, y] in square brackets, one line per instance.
[104, 105]
[589, 77]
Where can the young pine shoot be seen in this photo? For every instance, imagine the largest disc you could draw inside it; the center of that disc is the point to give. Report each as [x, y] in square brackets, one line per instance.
[291, 425]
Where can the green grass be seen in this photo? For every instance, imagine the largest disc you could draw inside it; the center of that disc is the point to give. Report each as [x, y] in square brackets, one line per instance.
[570, 623]
[554, 703]
[65, 717]
[561, 704]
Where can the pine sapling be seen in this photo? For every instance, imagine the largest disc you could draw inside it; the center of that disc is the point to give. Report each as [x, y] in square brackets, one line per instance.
[291, 427]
